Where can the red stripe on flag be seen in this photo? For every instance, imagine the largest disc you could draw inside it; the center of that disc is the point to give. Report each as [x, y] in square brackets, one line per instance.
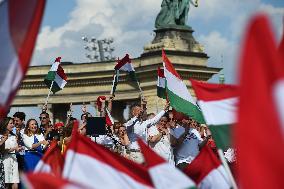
[169, 65]
[161, 72]
[61, 73]
[209, 91]
[205, 162]
[25, 19]
[122, 62]
[83, 145]
[259, 137]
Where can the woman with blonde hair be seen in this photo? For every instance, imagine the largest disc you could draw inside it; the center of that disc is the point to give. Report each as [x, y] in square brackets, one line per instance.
[34, 145]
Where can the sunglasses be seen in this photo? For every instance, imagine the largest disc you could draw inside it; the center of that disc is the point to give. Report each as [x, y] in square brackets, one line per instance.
[40, 118]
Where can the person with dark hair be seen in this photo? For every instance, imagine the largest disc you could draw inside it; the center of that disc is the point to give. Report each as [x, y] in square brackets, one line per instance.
[3, 138]
[10, 161]
[19, 120]
[34, 144]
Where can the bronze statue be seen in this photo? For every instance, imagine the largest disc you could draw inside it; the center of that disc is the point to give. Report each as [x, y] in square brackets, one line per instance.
[174, 12]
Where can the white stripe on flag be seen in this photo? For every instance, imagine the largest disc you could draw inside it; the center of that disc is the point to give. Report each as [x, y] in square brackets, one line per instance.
[54, 67]
[128, 67]
[178, 87]
[93, 173]
[279, 100]
[161, 82]
[11, 76]
[219, 112]
[42, 167]
[217, 178]
[60, 82]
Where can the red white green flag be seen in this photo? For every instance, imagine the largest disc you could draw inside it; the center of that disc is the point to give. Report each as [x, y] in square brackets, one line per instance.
[109, 119]
[259, 132]
[95, 166]
[56, 77]
[126, 65]
[207, 171]
[178, 94]
[161, 84]
[218, 103]
[19, 25]
[163, 174]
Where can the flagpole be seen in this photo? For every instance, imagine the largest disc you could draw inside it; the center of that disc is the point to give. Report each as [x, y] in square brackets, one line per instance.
[141, 92]
[115, 76]
[48, 93]
[226, 166]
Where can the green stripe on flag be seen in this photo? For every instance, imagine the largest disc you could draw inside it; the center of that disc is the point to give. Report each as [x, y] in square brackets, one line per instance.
[50, 76]
[161, 92]
[132, 76]
[55, 87]
[222, 136]
[181, 105]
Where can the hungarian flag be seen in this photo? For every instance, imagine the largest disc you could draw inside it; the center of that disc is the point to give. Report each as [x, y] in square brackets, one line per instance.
[95, 166]
[109, 119]
[19, 25]
[56, 77]
[162, 173]
[259, 134]
[47, 181]
[178, 94]
[52, 162]
[218, 103]
[207, 171]
[126, 65]
[161, 84]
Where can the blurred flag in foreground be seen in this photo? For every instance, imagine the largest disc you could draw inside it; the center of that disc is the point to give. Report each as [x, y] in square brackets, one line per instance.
[19, 26]
[259, 135]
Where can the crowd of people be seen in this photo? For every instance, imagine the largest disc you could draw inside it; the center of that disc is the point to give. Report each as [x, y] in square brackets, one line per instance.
[175, 137]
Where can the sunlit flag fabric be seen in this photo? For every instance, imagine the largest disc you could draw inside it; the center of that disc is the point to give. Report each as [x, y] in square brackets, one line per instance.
[19, 25]
[93, 165]
[126, 65]
[47, 181]
[259, 135]
[163, 174]
[207, 171]
[56, 78]
[218, 103]
[52, 162]
[161, 84]
[178, 94]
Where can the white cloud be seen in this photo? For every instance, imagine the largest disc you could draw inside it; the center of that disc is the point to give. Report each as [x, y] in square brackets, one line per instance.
[222, 53]
[130, 23]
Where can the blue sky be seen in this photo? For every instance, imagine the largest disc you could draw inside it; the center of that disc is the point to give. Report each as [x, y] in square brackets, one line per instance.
[218, 25]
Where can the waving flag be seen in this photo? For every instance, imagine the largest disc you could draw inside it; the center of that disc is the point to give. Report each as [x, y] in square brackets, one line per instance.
[126, 65]
[162, 173]
[52, 161]
[207, 171]
[56, 78]
[161, 84]
[47, 181]
[178, 94]
[19, 25]
[95, 166]
[218, 103]
[259, 135]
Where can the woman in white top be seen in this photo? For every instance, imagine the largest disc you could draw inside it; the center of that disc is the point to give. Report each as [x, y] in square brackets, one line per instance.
[9, 159]
[34, 145]
[159, 140]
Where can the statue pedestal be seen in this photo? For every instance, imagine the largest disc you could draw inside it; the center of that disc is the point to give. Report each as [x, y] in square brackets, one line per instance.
[174, 38]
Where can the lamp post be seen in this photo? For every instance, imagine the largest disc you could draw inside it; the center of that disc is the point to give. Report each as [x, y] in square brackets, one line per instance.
[99, 49]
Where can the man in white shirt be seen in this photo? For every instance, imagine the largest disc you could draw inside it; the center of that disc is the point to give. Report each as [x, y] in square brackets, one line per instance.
[187, 142]
[137, 127]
